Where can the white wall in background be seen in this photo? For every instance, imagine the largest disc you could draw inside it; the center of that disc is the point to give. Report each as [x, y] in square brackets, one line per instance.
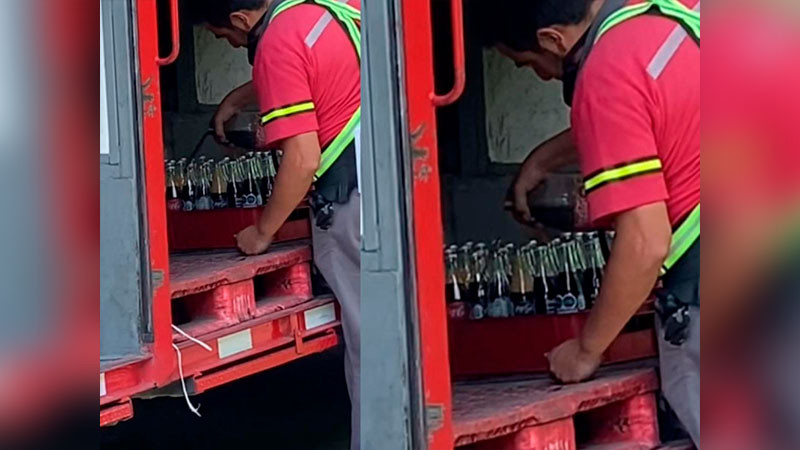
[219, 67]
[521, 110]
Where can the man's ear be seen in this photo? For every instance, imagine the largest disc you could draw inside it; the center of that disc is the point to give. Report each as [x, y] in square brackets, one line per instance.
[552, 40]
[240, 21]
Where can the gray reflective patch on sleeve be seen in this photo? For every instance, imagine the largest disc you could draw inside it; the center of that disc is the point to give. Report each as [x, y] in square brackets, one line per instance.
[668, 50]
[319, 27]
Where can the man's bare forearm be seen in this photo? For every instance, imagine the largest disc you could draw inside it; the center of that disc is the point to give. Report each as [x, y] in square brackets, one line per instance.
[640, 247]
[300, 161]
[244, 95]
[559, 151]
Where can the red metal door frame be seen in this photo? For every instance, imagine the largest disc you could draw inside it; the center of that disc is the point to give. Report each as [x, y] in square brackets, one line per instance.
[159, 368]
[428, 234]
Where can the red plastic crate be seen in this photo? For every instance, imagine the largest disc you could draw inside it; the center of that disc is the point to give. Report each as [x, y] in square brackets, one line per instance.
[518, 344]
[197, 230]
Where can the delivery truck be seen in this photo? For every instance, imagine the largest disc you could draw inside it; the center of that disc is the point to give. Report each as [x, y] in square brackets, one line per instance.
[182, 311]
[447, 122]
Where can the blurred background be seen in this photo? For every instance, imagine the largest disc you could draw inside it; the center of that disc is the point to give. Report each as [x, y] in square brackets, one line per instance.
[751, 219]
[49, 229]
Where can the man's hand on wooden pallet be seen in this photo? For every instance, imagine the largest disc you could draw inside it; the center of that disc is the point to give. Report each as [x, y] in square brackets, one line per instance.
[252, 242]
[571, 363]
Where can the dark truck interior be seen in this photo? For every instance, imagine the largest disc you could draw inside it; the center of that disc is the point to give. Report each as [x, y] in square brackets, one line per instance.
[503, 114]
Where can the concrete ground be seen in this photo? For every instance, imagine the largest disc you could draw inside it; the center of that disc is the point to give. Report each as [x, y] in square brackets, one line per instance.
[303, 405]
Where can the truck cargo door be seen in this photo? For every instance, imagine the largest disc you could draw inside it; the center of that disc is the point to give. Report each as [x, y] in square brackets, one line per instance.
[391, 401]
[124, 299]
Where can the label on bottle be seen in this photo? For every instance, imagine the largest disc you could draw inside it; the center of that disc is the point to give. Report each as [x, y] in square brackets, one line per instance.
[220, 203]
[568, 304]
[457, 310]
[250, 201]
[204, 203]
[175, 204]
[476, 313]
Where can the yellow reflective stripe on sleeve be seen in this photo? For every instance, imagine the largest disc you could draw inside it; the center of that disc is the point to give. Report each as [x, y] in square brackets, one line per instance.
[630, 170]
[287, 111]
[683, 238]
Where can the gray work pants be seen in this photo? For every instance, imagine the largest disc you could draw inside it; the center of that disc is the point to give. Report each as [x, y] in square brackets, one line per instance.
[680, 375]
[337, 254]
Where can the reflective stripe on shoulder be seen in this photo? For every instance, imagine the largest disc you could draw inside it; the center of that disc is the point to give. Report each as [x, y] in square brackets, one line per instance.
[621, 172]
[667, 50]
[286, 111]
[318, 28]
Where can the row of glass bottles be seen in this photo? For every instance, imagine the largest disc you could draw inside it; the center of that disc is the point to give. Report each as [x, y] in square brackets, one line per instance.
[502, 280]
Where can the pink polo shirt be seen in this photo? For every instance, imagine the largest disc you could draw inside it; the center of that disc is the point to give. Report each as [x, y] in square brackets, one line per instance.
[637, 99]
[306, 59]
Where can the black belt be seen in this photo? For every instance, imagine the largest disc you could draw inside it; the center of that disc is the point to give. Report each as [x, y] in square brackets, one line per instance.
[334, 187]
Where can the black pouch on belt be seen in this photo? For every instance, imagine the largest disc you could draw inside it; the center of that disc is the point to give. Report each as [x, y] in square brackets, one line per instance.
[681, 290]
[334, 186]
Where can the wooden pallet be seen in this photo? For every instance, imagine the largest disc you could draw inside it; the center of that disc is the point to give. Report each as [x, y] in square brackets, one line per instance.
[616, 410]
[213, 290]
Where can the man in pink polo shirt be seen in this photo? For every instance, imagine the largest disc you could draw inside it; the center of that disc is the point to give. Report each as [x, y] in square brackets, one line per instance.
[307, 81]
[631, 72]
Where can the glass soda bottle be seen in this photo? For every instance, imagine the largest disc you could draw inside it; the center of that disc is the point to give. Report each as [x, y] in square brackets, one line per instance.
[552, 269]
[174, 201]
[203, 188]
[574, 278]
[456, 307]
[501, 304]
[267, 181]
[521, 283]
[251, 192]
[219, 187]
[235, 183]
[541, 287]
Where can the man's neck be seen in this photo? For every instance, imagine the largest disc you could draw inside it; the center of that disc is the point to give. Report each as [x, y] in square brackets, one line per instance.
[594, 9]
[581, 28]
[260, 13]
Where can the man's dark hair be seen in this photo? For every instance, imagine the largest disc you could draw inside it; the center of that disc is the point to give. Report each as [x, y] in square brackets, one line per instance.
[514, 23]
[218, 12]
